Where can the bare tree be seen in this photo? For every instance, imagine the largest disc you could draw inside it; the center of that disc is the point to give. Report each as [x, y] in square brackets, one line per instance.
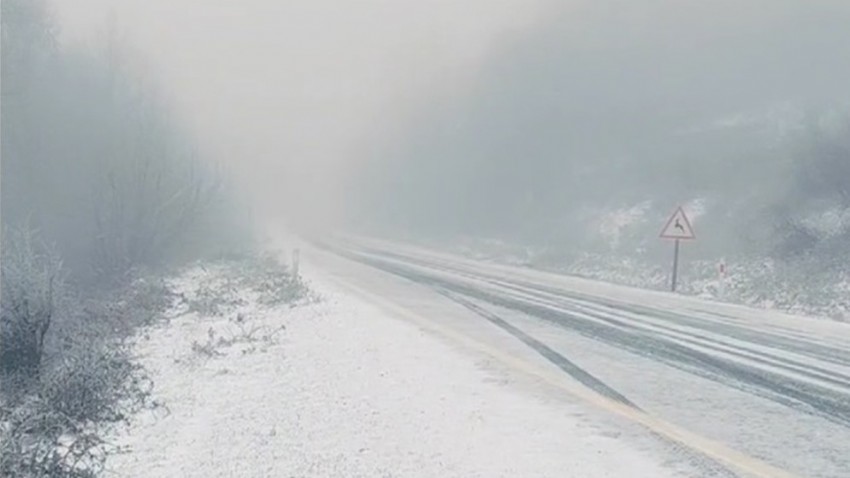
[91, 155]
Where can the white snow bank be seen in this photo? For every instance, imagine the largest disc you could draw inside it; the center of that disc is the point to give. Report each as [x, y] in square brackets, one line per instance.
[348, 392]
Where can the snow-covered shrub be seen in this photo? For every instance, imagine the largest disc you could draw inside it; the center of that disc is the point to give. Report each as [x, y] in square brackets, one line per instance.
[272, 280]
[66, 369]
[31, 282]
[145, 299]
[37, 441]
[214, 298]
[52, 427]
[263, 275]
[108, 318]
[208, 348]
[96, 383]
[278, 289]
[241, 330]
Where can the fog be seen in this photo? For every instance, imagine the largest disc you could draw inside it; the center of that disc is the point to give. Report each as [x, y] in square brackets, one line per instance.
[165, 162]
[630, 101]
[290, 96]
[295, 96]
[532, 121]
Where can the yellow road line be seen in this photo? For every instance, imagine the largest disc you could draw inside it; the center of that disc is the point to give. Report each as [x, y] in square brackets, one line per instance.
[736, 461]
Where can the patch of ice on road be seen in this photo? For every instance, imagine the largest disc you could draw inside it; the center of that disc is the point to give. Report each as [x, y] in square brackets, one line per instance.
[350, 392]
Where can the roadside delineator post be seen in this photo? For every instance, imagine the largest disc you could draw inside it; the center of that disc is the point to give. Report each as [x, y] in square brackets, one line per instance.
[296, 262]
[678, 228]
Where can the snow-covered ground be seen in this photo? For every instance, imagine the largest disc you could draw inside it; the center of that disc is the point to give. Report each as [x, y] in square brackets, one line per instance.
[340, 388]
[757, 381]
[811, 287]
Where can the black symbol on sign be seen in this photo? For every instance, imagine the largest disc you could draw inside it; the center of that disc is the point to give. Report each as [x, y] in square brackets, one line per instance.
[679, 226]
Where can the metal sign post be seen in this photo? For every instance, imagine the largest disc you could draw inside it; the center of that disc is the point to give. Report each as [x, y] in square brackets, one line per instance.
[678, 227]
[675, 265]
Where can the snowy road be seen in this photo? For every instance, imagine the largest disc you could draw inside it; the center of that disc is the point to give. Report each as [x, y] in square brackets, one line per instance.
[762, 393]
[345, 390]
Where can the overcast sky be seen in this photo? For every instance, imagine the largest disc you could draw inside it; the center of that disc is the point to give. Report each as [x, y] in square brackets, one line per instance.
[293, 93]
[286, 91]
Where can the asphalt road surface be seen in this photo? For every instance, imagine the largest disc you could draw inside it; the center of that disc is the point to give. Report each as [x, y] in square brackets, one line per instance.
[766, 388]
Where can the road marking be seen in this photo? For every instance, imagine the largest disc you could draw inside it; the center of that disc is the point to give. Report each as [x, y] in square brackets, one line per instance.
[717, 451]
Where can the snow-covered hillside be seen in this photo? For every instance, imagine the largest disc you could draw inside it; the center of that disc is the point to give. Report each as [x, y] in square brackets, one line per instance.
[622, 246]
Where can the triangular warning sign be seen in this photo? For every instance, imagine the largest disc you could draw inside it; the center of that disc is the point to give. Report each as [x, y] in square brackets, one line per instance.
[678, 226]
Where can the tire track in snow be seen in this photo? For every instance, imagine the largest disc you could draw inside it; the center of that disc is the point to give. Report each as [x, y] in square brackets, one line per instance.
[803, 397]
[755, 355]
[617, 312]
[728, 458]
[582, 376]
[707, 321]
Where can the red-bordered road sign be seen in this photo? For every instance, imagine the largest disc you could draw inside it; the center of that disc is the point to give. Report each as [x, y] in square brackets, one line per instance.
[678, 226]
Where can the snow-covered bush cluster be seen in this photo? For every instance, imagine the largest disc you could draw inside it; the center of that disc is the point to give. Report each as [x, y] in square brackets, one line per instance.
[811, 285]
[70, 377]
[780, 222]
[219, 288]
[102, 190]
[232, 300]
[31, 283]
